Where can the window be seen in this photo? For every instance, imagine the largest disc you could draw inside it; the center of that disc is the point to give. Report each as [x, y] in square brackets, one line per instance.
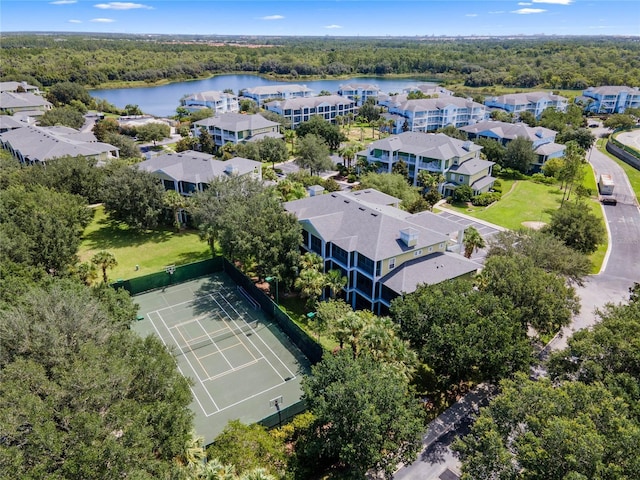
[461, 178]
[417, 253]
[442, 245]
[430, 249]
[392, 263]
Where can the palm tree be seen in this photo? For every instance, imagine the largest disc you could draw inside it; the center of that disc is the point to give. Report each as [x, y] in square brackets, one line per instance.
[290, 135]
[335, 281]
[257, 474]
[349, 329]
[311, 261]
[311, 283]
[472, 241]
[104, 260]
[86, 271]
[176, 203]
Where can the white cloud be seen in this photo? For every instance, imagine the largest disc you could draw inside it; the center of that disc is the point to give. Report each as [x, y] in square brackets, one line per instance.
[524, 4]
[471, 15]
[63, 2]
[496, 12]
[121, 6]
[554, 2]
[333, 27]
[528, 11]
[102, 20]
[73, 20]
[272, 17]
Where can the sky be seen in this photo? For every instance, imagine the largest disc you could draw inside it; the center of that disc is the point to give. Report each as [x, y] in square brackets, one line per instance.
[326, 18]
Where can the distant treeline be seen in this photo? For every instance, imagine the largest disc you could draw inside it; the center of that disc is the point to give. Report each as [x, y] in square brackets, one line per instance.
[94, 60]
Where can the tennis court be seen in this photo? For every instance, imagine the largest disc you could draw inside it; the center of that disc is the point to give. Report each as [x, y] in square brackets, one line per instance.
[240, 362]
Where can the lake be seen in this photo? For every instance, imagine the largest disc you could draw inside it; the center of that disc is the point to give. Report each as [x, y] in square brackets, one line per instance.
[164, 99]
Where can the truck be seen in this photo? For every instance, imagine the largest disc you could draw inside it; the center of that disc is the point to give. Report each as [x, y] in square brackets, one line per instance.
[605, 184]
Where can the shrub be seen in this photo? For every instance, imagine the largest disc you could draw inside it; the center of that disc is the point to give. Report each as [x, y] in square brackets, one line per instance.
[485, 199]
[542, 178]
[351, 178]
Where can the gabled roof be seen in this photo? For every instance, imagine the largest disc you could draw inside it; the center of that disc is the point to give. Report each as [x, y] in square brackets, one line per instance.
[7, 122]
[360, 86]
[440, 103]
[428, 270]
[237, 122]
[508, 131]
[612, 90]
[208, 96]
[22, 100]
[471, 167]
[437, 146]
[45, 143]
[311, 102]
[13, 86]
[197, 167]
[549, 148]
[372, 229]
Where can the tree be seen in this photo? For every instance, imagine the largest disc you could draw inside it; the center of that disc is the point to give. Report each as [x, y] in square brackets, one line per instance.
[311, 284]
[493, 150]
[272, 150]
[132, 196]
[577, 227]
[176, 203]
[64, 93]
[619, 120]
[348, 153]
[365, 416]
[473, 241]
[248, 447]
[393, 184]
[290, 190]
[290, 135]
[541, 300]
[104, 126]
[401, 168]
[65, 116]
[313, 154]
[76, 381]
[153, 132]
[336, 282]
[528, 118]
[582, 136]
[536, 430]
[519, 154]
[104, 260]
[206, 141]
[317, 125]
[132, 110]
[41, 227]
[126, 145]
[462, 194]
[369, 111]
[453, 132]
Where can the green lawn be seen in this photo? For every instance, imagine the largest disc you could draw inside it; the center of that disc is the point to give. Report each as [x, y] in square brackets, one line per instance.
[151, 250]
[632, 173]
[526, 201]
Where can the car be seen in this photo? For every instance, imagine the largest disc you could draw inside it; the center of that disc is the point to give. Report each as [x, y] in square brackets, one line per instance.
[608, 200]
[593, 125]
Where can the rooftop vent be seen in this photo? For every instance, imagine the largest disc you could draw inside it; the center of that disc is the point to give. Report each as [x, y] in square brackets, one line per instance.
[231, 170]
[409, 236]
[467, 145]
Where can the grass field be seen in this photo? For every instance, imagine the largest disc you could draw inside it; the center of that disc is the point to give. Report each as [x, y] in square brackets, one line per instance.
[151, 249]
[526, 201]
[632, 173]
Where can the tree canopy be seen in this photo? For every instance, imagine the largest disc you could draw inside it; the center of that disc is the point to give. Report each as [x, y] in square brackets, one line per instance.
[313, 154]
[577, 227]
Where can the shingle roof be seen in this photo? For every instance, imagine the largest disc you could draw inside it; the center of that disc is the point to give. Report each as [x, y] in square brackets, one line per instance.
[440, 103]
[359, 86]
[13, 86]
[22, 100]
[237, 122]
[612, 89]
[370, 228]
[209, 95]
[526, 97]
[7, 122]
[429, 145]
[471, 167]
[508, 131]
[429, 270]
[311, 102]
[45, 143]
[196, 167]
[549, 148]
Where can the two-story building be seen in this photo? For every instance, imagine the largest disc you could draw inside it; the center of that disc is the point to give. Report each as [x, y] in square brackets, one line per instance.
[276, 92]
[456, 160]
[533, 102]
[37, 145]
[359, 92]
[219, 102]
[18, 87]
[298, 110]
[15, 102]
[610, 99]
[430, 114]
[542, 139]
[237, 128]
[383, 251]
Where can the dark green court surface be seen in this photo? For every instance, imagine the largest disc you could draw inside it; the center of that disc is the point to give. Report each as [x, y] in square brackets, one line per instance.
[239, 360]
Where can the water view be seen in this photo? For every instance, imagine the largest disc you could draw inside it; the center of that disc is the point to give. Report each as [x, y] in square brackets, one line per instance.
[163, 100]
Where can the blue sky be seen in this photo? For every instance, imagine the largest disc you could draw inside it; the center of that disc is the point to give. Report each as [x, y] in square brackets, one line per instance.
[319, 18]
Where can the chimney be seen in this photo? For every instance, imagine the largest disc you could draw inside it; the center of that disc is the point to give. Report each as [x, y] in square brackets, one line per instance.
[409, 236]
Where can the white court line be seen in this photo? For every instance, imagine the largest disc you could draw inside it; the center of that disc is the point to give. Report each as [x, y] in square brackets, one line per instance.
[265, 344]
[249, 398]
[234, 369]
[179, 369]
[214, 343]
[189, 362]
[187, 322]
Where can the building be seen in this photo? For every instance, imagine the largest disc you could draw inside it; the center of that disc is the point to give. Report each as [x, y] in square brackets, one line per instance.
[457, 161]
[219, 102]
[8, 122]
[610, 99]
[430, 114]
[189, 172]
[533, 102]
[359, 92]
[298, 110]
[237, 128]
[430, 89]
[276, 92]
[31, 144]
[542, 139]
[13, 102]
[383, 251]
[18, 87]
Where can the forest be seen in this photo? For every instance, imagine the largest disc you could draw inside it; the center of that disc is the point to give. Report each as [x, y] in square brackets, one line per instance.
[96, 60]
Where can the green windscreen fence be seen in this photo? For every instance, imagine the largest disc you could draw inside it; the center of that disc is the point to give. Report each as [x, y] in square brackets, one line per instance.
[180, 274]
[285, 416]
[298, 336]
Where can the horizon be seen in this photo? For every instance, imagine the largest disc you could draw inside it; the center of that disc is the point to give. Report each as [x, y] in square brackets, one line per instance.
[326, 18]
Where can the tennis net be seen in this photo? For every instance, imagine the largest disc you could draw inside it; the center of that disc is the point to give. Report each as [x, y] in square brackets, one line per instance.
[245, 330]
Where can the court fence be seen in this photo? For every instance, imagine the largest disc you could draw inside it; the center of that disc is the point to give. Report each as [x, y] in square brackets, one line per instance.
[180, 274]
[285, 415]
